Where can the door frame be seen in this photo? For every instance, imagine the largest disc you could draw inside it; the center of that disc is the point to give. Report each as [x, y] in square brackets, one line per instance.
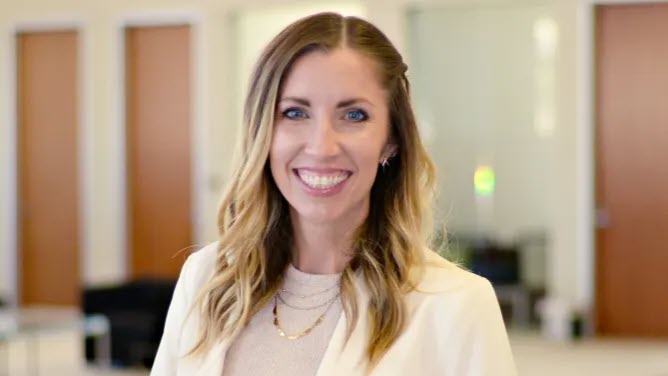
[586, 149]
[84, 145]
[198, 162]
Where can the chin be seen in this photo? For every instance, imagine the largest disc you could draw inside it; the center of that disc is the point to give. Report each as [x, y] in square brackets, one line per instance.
[320, 215]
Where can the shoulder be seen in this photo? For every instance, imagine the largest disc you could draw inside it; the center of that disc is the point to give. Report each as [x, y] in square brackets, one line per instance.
[440, 276]
[199, 265]
[451, 305]
[205, 255]
[443, 285]
[461, 305]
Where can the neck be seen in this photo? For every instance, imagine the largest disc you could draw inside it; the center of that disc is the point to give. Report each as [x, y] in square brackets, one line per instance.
[323, 248]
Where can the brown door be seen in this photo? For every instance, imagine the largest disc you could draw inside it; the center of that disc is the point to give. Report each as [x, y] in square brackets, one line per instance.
[158, 148]
[47, 168]
[632, 175]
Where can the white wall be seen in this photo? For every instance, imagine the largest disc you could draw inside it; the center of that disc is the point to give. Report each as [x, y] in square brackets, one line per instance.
[256, 26]
[568, 273]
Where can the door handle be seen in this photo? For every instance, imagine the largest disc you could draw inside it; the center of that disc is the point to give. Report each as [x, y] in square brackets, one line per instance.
[602, 218]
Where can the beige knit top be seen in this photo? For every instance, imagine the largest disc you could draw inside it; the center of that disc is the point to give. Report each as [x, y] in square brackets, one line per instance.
[260, 350]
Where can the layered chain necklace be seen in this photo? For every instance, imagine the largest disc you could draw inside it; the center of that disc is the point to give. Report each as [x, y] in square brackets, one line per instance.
[328, 304]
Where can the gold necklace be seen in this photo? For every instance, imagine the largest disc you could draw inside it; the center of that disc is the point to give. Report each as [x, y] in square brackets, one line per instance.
[282, 333]
[309, 295]
[306, 308]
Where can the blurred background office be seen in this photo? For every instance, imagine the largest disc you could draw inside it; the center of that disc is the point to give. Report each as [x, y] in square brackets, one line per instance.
[547, 120]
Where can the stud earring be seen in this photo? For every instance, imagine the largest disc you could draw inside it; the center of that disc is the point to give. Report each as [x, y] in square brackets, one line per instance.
[385, 162]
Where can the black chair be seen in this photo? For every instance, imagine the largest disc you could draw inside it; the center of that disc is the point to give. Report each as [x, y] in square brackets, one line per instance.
[502, 267]
[499, 264]
[136, 312]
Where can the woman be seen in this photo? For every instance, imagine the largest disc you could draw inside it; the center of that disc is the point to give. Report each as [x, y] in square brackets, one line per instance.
[322, 265]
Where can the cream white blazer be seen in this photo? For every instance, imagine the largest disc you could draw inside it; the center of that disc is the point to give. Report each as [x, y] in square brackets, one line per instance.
[455, 328]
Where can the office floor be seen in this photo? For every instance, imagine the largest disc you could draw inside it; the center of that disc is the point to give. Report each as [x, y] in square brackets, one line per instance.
[60, 354]
[591, 357]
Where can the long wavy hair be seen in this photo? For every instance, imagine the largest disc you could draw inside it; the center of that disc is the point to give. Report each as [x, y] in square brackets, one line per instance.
[255, 232]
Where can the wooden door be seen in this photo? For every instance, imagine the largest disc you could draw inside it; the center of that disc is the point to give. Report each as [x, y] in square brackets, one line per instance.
[48, 191]
[158, 148]
[632, 176]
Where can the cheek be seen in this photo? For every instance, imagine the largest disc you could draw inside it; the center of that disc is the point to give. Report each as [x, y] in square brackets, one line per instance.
[279, 150]
[369, 149]
[277, 163]
[285, 146]
[366, 158]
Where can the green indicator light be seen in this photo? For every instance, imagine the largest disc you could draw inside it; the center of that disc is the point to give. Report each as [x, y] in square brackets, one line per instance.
[484, 181]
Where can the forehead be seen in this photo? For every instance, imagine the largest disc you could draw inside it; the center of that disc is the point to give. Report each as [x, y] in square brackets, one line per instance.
[332, 74]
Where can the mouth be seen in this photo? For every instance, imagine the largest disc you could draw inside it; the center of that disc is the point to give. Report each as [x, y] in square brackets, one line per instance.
[322, 179]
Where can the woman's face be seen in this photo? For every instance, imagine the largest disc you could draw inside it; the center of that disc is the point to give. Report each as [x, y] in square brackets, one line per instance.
[331, 129]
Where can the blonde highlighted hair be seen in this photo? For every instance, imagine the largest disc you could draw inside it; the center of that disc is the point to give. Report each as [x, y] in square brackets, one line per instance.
[255, 233]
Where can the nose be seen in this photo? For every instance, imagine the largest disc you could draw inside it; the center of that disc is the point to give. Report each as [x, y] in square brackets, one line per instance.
[323, 139]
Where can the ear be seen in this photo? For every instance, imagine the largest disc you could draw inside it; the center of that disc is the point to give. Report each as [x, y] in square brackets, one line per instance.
[389, 151]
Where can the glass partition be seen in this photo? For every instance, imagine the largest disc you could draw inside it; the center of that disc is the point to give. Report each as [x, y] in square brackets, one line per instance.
[484, 91]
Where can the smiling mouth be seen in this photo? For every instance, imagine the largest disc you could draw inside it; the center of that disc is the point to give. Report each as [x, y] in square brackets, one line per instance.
[317, 180]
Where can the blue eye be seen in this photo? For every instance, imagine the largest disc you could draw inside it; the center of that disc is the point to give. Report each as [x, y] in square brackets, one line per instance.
[294, 114]
[356, 115]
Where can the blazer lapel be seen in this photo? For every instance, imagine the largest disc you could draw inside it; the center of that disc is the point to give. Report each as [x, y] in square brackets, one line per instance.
[340, 358]
[343, 358]
[212, 364]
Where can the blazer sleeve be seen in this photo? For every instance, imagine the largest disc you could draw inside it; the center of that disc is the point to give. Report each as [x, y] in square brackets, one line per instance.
[485, 346]
[167, 355]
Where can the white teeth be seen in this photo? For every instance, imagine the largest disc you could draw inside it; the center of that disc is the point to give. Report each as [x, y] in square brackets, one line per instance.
[321, 182]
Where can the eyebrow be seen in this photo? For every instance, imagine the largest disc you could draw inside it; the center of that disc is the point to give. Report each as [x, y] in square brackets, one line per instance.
[341, 104]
